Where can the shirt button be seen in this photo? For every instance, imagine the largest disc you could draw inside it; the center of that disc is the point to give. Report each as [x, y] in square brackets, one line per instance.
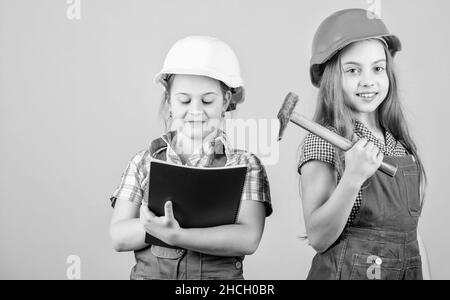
[238, 265]
[378, 261]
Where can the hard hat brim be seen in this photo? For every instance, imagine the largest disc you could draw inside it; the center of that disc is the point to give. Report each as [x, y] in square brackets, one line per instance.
[231, 82]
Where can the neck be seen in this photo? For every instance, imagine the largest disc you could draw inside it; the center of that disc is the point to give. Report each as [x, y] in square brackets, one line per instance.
[370, 120]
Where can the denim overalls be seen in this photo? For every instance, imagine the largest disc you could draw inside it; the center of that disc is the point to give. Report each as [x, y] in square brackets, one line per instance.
[156, 262]
[382, 242]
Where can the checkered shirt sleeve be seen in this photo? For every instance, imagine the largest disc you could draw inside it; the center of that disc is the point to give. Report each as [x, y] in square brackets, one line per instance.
[256, 186]
[132, 183]
[316, 148]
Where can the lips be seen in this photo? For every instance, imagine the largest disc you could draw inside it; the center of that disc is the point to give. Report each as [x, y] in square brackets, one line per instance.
[367, 95]
[195, 119]
[197, 122]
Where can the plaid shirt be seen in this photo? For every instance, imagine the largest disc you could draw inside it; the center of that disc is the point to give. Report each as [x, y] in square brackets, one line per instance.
[315, 148]
[136, 175]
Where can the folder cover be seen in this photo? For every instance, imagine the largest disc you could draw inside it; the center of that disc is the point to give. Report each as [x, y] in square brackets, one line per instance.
[201, 197]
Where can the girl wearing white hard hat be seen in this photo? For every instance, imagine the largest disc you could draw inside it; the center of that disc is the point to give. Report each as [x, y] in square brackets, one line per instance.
[362, 223]
[202, 81]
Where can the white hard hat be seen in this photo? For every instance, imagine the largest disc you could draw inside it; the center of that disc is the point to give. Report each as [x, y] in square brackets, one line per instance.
[205, 56]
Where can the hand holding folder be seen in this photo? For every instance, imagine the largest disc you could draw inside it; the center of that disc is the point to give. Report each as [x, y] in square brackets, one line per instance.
[201, 197]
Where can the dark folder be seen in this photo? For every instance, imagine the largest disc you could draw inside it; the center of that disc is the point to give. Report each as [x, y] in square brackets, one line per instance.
[201, 197]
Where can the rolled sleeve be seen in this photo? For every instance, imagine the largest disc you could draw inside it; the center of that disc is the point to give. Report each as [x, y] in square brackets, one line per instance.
[256, 186]
[316, 148]
[130, 187]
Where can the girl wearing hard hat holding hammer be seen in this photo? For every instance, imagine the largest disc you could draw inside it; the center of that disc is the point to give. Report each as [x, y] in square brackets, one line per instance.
[202, 81]
[362, 223]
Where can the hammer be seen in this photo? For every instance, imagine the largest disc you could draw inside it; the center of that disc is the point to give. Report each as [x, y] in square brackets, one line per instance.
[287, 114]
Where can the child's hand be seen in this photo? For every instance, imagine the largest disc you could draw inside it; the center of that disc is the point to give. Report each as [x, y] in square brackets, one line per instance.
[362, 160]
[165, 227]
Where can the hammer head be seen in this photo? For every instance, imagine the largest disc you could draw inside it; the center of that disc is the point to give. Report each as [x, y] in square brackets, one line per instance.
[284, 115]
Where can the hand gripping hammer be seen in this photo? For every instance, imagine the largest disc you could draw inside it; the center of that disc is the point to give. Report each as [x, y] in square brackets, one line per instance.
[287, 114]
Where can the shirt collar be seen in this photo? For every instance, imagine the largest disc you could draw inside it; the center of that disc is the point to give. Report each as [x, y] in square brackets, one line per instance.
[213, 146]
[387, 146]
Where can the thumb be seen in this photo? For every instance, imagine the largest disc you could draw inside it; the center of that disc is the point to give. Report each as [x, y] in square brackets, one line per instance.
[354, 138]
[168, 210]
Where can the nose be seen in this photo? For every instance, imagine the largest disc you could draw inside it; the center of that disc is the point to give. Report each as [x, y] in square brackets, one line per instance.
[366, 81]
[195, 110]
[196, 105]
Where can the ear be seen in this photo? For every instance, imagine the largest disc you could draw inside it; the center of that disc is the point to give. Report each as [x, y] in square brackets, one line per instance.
[227, 100]
[167, 97]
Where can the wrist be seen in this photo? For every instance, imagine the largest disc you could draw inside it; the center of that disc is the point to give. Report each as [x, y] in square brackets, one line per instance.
[351, 180]
[176, 237]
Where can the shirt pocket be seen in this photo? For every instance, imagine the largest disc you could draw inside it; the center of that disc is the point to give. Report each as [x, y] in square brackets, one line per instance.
[167, 253]
[372, 267]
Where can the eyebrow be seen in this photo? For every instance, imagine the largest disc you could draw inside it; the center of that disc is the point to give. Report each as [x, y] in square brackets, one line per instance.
[209, 93]
[205, 94]
[358, 64]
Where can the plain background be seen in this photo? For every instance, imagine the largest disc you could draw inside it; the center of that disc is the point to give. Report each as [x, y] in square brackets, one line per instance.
[77, 102]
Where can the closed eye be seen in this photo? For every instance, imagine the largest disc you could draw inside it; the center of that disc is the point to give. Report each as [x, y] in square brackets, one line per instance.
[184, 99]
[209, 99]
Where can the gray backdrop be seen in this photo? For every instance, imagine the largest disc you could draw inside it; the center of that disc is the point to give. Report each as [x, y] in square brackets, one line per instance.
[77, 102]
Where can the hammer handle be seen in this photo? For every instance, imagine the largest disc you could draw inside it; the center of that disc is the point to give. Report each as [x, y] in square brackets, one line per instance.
[335, 139]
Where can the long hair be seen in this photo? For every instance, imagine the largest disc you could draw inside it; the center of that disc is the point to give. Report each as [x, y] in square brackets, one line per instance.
[332, 111]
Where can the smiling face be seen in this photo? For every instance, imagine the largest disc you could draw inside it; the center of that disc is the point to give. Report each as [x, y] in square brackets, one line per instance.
[364, 78]
[196, 104]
